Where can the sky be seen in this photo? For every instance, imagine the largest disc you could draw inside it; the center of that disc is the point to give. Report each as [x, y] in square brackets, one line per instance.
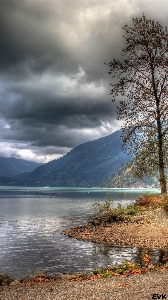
[54, 85]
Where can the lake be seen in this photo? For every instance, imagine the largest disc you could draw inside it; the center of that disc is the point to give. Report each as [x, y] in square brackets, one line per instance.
[31, 220]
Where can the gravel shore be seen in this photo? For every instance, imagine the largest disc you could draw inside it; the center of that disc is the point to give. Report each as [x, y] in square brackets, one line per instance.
[136, 287]
[148, 229]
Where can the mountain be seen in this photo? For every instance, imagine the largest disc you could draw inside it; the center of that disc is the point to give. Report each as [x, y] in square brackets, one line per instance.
[123, 178]
[10, 167]
[86, 165]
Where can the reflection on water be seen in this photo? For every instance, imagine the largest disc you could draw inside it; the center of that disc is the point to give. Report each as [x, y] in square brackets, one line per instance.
[114, 255]
[30, 226]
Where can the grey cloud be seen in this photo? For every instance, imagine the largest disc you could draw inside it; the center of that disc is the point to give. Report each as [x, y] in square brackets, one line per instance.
[54, 86]
[61, 38]
[67, 112]
[28, 40]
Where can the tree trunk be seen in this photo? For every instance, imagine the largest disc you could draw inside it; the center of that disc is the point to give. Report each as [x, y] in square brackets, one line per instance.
[160, 135]
[160, 152]
[162, 182]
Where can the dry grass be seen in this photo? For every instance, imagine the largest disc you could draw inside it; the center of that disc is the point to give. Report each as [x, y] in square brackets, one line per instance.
[151, 201]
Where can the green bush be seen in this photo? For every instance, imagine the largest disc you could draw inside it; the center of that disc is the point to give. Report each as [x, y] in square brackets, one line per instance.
[104, 209]
[122, 211]
[131, 209]
[101, 207]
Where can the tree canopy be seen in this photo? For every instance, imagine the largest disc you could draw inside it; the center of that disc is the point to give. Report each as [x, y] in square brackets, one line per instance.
[140, 82]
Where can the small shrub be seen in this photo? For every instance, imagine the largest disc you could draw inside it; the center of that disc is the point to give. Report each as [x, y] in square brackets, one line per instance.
[131, 209]
[116, 214]
[120, 212]
[120, 208]
[148, 200]
[107, 214]
[101, 207]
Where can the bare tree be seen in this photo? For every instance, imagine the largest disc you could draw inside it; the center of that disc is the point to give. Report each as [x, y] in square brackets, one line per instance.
[142, 78]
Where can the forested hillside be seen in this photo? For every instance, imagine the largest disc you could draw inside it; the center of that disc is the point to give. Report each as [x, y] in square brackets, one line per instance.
[87, 165]
[12, 166]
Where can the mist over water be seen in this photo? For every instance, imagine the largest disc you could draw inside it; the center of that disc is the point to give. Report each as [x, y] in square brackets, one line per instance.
[31, 220]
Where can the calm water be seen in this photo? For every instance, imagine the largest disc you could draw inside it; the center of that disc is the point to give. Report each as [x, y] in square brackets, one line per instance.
[31, 220]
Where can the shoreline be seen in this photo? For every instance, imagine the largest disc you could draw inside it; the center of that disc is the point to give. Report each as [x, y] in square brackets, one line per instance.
[147, 229]
[136, 286]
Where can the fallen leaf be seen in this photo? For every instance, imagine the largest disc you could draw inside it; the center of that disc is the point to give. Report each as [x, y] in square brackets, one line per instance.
[124, 284]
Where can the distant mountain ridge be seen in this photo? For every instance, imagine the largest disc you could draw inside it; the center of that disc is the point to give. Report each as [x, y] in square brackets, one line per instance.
[86, 165]
[11, 166]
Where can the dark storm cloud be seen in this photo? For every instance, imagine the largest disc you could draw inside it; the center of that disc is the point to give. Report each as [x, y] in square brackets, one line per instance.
[54, 86]
[64, 111]
[28, 39]
[38, 117]
[59, 35]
